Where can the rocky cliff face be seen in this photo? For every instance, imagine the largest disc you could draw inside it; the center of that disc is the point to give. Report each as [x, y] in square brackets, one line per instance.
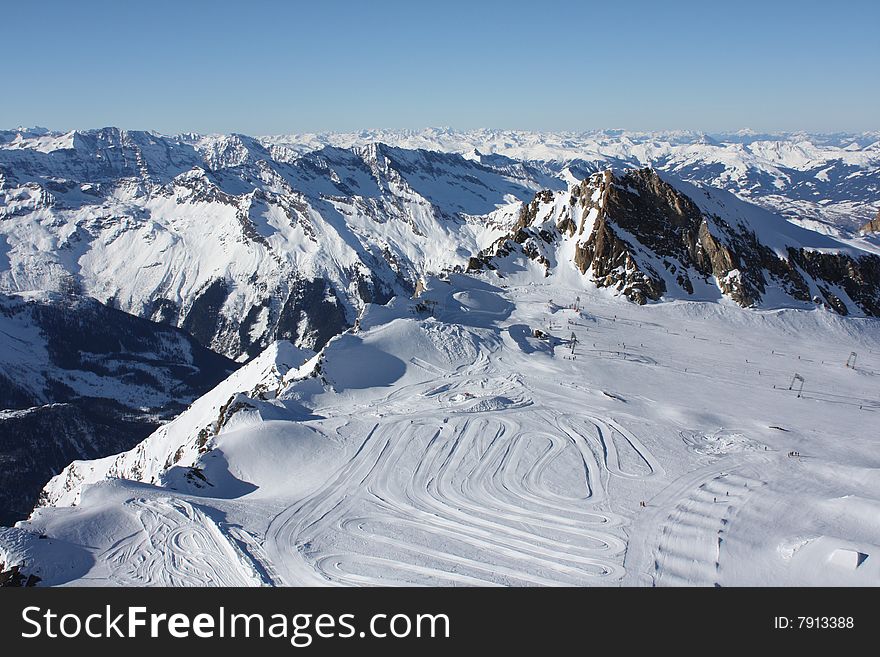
[872, 226]
[643, 236]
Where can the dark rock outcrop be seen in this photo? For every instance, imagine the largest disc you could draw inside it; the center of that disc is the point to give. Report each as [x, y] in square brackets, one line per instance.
[12, 577]
[858, 277]
[314, 311]
[872, 226]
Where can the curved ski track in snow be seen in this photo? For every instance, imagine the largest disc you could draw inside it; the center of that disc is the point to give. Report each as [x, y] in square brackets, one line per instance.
[179, 545]
[474, 500]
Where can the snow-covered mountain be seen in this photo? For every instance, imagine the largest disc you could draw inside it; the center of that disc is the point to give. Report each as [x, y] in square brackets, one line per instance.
[825, 182]
[649, 237]
[80, 380]
[442, 382]
[238, 243]
[513, 429]
[242, 241]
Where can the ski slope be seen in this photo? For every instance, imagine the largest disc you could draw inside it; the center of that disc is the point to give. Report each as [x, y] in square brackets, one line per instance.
[440, 443]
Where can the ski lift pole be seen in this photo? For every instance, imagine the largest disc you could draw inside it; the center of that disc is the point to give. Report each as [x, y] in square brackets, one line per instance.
[797, 378]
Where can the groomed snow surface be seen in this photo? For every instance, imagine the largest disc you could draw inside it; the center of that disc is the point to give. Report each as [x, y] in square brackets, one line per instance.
[445, 445]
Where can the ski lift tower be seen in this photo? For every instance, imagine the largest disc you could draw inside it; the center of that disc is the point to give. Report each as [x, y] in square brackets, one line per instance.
[851, 361]
[573, 341]
[797, 378]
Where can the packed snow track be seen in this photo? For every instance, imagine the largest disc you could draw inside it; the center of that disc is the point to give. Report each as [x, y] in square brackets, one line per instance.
[468, 501]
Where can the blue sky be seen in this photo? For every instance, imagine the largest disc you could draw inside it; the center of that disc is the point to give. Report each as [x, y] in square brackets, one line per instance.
[263, 67]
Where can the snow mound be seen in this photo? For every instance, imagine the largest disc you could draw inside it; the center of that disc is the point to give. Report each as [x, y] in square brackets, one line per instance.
[482, 301]
[848, 559]
[495, 404]
[721, 443]
[53, 560]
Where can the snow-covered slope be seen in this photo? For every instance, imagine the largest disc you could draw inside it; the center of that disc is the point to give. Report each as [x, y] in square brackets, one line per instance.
[440, 442]
[180, 443]
[57, 347]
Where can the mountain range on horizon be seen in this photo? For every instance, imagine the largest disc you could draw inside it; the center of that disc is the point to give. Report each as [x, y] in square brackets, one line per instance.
[753, 163]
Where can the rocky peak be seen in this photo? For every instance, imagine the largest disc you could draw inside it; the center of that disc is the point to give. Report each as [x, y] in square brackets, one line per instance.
[663, 221]
[643, 236]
